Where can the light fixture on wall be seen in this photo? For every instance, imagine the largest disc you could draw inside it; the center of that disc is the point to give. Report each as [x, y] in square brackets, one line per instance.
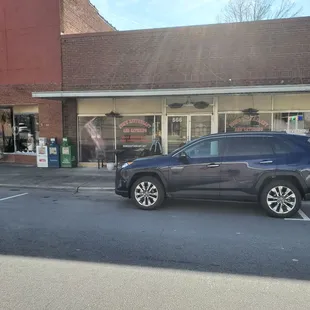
[250, 112]
[113, 114]
[175, 105]
[201, 104]
[189, 102]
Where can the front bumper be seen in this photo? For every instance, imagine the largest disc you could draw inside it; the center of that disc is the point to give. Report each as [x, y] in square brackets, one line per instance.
[122, 193]
[121, 188]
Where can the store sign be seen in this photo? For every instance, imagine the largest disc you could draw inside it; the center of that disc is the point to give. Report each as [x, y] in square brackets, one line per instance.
[238, 124]
[134, 133]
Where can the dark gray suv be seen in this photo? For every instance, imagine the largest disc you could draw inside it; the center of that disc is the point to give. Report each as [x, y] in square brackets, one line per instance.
[269, 167]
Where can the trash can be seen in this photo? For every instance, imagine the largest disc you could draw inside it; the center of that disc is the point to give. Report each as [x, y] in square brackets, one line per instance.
[67, 154]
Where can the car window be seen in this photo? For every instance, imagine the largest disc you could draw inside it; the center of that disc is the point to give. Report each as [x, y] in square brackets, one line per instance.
[203, 149]
[282, 147]
[248, 146]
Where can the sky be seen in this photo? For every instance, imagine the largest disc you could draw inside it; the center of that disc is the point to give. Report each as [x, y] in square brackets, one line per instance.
[142, 14]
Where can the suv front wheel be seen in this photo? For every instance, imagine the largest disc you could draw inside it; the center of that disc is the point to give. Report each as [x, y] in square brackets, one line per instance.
[280, 198]
[148, 193]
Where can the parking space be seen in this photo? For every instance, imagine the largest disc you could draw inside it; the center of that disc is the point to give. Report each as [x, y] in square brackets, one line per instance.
[173, 208]
[303, 214]
[10, 196]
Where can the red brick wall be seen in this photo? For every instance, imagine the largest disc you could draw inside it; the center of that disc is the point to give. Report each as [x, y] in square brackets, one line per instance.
[50, 119]
[70, 120]
[258, 53]
[30, 50]
[80, 16]
[20, 159]
[30, 60]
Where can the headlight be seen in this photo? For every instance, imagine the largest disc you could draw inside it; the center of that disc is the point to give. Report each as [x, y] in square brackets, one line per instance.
[126, 165]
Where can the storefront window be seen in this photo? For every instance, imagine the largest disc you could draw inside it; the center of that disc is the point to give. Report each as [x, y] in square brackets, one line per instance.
[6, 131]
[96, 134]
[240, 122]
[292, 122]
[26, 132]
[139, 135]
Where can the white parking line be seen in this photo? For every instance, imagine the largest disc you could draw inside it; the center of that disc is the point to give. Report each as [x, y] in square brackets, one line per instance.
[11, 197]
[302, 214]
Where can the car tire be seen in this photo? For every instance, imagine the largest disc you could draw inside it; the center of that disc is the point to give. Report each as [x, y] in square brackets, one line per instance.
[281, 199]
[147, 193]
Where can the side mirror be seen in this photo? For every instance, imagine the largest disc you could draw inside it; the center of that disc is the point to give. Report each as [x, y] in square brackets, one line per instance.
[183, 157]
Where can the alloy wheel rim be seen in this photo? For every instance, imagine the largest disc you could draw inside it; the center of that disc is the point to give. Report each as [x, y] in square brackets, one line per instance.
[281, 199]
[146, 194]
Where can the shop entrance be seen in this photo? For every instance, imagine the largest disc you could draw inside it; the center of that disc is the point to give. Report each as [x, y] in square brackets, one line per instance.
[183, 128]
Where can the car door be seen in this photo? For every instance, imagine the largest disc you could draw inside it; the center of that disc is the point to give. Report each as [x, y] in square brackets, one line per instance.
[245, 160]
[194, 172]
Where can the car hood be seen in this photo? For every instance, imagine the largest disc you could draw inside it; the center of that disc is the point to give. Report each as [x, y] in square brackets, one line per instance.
[151, 160]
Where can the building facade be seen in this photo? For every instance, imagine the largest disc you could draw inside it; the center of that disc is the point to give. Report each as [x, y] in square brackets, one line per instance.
[149, 91]
[30, 60]
[152, 90]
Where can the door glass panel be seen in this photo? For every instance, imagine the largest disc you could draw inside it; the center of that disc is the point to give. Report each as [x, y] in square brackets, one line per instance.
[200, 126]
[204, 149]
[248, 146]
[177, 132]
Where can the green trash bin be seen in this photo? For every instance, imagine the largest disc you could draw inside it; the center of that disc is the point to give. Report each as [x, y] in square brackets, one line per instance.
[67, 154]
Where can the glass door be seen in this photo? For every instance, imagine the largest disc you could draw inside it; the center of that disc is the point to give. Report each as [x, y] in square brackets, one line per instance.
[177, 132]
[200, 126]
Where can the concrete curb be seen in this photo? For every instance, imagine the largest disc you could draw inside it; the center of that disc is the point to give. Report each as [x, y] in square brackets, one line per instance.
[75, 189]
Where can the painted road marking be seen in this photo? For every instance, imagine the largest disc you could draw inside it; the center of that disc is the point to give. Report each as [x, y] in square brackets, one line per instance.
[11, 197]
[302, 214]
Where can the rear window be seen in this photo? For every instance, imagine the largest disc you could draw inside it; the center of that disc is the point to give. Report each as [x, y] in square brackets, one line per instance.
[299, 141]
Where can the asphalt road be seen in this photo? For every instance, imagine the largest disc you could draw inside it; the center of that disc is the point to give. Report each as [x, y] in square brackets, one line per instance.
[96, 251]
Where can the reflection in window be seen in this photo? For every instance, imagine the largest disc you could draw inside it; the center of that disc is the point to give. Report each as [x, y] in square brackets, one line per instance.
[240, 122]
[26, 132]
[292, 122]
[6, 131]
[248, 146]
[139, 135]
[96, 135]
[203, 149]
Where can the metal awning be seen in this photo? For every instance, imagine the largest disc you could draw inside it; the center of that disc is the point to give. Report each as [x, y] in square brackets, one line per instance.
[174, 92]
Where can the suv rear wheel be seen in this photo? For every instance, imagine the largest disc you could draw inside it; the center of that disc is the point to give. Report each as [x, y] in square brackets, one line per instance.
[280, 198]
[148, 193]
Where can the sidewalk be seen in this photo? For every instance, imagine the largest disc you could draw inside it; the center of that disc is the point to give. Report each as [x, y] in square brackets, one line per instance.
[77, 179]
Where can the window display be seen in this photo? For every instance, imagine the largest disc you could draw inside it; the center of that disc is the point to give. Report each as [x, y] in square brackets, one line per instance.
[96, 135]
[26, 132]
[139, 135]
[238, 122]
[6, 131]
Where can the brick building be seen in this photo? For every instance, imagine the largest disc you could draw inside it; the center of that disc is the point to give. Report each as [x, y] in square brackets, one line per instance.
[30, 60]
[151, 90]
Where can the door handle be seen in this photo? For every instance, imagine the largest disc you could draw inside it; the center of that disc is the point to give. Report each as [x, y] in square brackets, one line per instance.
[266, 162]
[212, 165]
